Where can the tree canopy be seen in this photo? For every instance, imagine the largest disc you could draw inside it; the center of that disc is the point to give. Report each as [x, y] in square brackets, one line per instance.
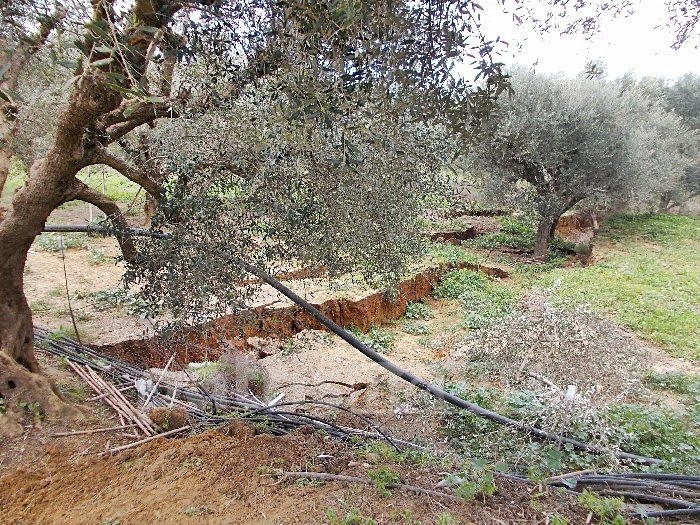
[566, 140]
[310, 108]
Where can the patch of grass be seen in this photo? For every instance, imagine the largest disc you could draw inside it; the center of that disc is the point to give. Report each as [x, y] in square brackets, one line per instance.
[97, 256]
[16, 178]
[57, 292]
[446, 252]
[686, 385]
[39, 306]
[378, 339]
[482, 300]
[354, 517]
[650, 282]
[290, 348]
[77, 393]
[117, 187]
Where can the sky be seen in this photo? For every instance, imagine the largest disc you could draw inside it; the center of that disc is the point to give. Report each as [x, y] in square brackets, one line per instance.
[640, 43]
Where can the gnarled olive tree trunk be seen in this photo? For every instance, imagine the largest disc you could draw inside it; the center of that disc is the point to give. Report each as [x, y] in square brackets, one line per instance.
[51, 183]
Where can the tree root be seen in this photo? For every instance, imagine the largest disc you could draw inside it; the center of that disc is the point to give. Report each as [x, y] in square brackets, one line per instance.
[28, 395]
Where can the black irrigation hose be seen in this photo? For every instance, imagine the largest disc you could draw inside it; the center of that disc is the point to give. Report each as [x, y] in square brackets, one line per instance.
[377, 358]
[106, 230]
[424, 385]
[670, 513]
[637, 486]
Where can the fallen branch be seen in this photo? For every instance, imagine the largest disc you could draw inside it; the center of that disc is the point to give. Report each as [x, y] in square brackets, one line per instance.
[92, 431]
[146, 440]
[366, 481]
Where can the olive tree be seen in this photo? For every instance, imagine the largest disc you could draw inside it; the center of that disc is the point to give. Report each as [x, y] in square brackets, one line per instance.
[330, 68]
[566, 140]
[683, 97]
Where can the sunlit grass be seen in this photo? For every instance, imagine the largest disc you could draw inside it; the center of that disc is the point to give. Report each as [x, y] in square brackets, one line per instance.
[649, 281]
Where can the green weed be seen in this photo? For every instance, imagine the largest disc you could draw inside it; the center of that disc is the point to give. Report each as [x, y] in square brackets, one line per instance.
[382, 478]
[419, 311]
[97, 256]
[351, 518]
[445, 252]
[483, 301]
[606, 510]
[378, 339]
[121, 297]
[48, 242]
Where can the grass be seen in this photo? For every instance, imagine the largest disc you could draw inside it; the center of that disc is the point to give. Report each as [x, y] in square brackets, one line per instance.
[650, 282]
[482, 300]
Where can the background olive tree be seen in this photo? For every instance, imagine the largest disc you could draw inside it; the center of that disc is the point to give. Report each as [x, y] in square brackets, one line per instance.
[558, 141]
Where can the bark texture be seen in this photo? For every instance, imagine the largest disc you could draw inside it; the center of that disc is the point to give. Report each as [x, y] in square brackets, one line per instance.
[51, 182]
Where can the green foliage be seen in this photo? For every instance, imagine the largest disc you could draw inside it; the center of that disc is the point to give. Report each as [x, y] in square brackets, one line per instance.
[122, 297]
[384, 453]
[34, 409]
[650, 282]
[658, 431]
[378, 339]
[515, 226]
[76, 393]
[382, 478]
[419, 311]
[477, 479]
[686, 385]
[290, 348]
[446, 519]
[195, 510]
[351, 518]
[2, 405]
[607, 510]
[483, 301]
[48, 242]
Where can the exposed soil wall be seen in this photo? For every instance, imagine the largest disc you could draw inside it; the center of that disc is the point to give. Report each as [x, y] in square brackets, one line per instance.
[223, 335]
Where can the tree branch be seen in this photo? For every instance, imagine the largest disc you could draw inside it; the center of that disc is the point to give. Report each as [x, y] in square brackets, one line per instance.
[114, 214]
[102, 156]
[117, 126]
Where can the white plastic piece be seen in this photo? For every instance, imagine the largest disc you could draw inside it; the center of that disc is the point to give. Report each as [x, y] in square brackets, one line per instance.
[570, 393]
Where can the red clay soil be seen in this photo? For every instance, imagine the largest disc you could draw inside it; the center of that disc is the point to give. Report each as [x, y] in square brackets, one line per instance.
[227, 477]
[211, 341]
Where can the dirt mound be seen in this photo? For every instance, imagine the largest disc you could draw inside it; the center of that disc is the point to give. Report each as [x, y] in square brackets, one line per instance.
[218, 478]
